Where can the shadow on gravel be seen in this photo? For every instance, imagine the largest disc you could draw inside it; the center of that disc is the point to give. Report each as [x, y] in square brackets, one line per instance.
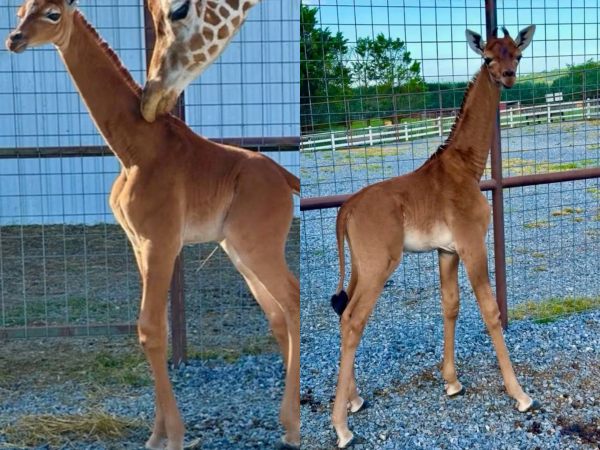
[589, 433]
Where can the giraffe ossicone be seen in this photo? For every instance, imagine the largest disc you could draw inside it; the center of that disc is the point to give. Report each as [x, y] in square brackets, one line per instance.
[190, 36]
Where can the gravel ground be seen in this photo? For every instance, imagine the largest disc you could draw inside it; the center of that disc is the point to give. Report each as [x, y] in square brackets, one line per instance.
[552, 246]
[224, 405]
[230, 392]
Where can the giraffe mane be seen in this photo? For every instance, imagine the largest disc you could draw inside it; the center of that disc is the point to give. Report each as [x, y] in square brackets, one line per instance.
[114, 58]
[458, 119]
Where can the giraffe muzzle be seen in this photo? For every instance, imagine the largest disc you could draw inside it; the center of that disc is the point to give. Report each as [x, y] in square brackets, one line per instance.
[156, 101]
[151, 97]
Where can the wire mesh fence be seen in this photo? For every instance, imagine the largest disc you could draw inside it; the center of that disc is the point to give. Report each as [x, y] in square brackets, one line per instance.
[381, 84]
[66, 267]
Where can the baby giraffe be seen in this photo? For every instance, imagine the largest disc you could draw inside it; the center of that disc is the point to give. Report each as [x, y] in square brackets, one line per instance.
[176, 187]
[437, 207]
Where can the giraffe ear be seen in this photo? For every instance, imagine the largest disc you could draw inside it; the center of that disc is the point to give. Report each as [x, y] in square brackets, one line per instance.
[475, 41]
[525, 36]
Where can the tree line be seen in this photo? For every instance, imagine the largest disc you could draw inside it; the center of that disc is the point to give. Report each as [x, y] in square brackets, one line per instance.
[377, 78]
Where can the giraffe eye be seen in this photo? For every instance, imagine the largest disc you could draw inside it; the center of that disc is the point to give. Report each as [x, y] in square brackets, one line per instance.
[487, 61]
[180, 13]
[53, 17]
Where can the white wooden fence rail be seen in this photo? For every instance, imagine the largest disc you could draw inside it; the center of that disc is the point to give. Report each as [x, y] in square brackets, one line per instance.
[514, 117]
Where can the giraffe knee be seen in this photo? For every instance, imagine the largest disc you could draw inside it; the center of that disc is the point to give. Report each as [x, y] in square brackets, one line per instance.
[151, 335]
[352, 328]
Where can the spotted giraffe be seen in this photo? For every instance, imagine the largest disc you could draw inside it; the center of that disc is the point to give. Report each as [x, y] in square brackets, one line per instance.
[190, 35]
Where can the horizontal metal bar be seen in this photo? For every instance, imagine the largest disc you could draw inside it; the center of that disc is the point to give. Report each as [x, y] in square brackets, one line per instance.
[335, 201]
[68, 331]
[552, 177]
[260, 144]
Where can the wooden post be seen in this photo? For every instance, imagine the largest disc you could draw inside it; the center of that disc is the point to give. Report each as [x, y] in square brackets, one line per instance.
[177, 292]
[395, 117]
[349, 124]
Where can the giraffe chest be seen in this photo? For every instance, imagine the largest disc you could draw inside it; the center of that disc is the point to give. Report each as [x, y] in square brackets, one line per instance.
[438, 237]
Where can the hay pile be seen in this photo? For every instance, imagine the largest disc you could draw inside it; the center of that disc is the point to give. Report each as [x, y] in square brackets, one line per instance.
[56, 430]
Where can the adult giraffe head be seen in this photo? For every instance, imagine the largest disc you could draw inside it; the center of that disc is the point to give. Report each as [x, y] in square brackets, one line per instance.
[190, 35]
[501, 55]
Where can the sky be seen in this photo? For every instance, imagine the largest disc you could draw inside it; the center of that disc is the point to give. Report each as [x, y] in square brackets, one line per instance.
[434, 31]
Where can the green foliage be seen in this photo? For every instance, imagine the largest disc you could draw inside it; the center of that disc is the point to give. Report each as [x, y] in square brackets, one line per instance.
[381, 80]
[572, 85]
[384, 62]
[324, 76]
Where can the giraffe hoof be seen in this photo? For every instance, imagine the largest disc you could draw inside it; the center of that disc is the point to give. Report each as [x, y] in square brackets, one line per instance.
[352, 442]
[535, 405]
[365, 405]
[458, 393]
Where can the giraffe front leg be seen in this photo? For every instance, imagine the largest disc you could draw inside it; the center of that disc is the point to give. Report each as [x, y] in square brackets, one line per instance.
[474, 255]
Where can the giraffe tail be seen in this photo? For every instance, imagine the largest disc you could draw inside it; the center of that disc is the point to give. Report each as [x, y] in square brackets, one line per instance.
[340, 300]
[292, 180]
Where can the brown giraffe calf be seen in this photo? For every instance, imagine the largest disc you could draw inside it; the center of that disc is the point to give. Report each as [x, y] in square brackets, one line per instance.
[437, 207]
[176, 187]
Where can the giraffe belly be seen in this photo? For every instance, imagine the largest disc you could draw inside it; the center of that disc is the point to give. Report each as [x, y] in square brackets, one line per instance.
[438, 238]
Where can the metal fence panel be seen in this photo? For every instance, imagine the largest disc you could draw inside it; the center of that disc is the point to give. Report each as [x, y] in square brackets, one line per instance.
[66, 267]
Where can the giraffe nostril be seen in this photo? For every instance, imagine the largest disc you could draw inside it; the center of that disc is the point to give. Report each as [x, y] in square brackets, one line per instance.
[508, 73]
[16, 36]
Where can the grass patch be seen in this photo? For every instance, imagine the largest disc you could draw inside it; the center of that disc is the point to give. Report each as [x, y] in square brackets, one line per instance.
[592, 233]
[540, 269]
[266, 344]
[538, 255]
[374, 151]
[579, 210]
[544, 311]
[592, 190]
[543, 223]
[58, 430]
[125, 369]
[576, 219]
[593, 147]
[562, 212]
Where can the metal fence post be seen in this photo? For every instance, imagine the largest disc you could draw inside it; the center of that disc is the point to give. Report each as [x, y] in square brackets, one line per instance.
[177, 291]
[497, 194]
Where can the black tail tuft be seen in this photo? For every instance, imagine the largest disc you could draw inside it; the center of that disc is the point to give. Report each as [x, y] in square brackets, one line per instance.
[339, 302]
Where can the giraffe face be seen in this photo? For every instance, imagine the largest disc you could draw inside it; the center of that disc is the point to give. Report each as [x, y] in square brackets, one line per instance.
[502, 55]
[41, 22]
[190, 35]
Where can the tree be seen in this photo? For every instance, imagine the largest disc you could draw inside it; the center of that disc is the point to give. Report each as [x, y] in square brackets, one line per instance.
[324, 76]
[386, 63]
[579, 81]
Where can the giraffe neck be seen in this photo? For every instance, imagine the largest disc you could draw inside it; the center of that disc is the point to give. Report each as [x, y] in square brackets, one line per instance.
[469, 142]
[108, 91]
